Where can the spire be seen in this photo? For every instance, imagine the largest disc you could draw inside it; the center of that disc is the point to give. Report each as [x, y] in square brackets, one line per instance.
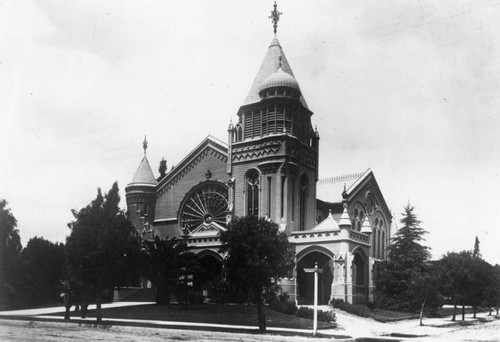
[144, 174]
[274, 58]
[275, 17]
[344, 222]
[366, 228]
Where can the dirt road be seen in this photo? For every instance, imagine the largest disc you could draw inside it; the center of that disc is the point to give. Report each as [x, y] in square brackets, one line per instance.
[11, 330]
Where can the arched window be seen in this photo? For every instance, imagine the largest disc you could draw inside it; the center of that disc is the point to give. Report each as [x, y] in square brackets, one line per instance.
[383, 245]
[304, 189]
[374, 242]
[252, 187]
[238, 131]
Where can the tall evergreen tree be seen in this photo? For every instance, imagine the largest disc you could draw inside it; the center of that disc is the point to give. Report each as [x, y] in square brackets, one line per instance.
[406, 248]
[102, 248]
[406, 280]
[476, 253]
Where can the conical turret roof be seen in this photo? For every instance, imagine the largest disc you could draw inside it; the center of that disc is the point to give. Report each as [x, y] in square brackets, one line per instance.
[144, 174]
[269, 66]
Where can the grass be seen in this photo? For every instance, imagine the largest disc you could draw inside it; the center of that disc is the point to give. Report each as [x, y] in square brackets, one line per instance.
[391, 316]
[208, 313]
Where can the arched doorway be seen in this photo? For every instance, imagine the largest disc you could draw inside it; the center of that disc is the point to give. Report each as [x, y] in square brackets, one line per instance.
[305, 281]
[360, 278]
[210, 276]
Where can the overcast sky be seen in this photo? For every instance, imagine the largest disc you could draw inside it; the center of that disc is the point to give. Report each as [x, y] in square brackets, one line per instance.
[409, 89]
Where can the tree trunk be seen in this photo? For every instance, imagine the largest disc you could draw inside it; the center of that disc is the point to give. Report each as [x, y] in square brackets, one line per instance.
[463, 312]
[474, 309]
[261, 316]
[422, 313]
[491, 310]
[454, 309]
[98, 308]
[163, 294]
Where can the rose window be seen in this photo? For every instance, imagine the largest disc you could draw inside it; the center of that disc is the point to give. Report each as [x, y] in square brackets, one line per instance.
[203, 205]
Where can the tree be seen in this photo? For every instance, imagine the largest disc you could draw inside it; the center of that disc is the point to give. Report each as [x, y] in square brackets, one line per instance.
[476, 253]
[468, 280]
[162, 169]
[406, 280]
[39, 272]
[406, 248]
[161, 263]
[10, 248]
[454, 277]
[102, 247]
[257, 256]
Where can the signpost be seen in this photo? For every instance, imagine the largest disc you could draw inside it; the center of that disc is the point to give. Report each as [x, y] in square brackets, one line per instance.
[315, 270]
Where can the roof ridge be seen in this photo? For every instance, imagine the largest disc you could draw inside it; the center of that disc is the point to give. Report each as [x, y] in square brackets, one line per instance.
[341, 178]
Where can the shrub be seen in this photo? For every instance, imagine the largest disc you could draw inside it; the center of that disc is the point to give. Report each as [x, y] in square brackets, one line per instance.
[358, 310]
[280, 303]
[323, 316]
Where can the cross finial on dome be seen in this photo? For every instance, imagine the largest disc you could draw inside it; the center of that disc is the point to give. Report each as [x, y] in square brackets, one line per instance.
[145, 145]
[275, 17]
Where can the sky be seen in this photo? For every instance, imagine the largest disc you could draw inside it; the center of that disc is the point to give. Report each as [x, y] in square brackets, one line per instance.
[409, 89]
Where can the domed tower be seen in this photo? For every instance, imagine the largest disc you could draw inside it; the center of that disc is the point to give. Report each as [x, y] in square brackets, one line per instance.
[273, 147]
[141, 195]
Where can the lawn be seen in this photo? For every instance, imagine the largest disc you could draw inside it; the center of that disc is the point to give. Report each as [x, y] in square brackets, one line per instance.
[208, 313]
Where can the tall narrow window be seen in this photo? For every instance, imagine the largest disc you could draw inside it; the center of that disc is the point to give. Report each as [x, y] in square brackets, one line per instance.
[304, 189]
[282, 207]
[293, 198]
[379, 245]
[383, 245]
[374, 242]
[252, 179]
[269, 196]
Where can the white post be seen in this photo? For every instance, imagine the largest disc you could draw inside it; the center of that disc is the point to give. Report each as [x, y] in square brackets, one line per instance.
[315, 322]
[315, 270]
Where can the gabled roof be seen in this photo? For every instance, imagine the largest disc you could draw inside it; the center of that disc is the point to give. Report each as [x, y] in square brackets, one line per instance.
[144, 175]
[330, 189]
[215, 144]
[327, 224]
[269, 66]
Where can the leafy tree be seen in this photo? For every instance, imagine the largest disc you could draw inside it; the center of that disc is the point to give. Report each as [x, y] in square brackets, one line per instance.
[480, 276]
[405, 281]
[10, 248]
[39, 272]
[102, 247]
[162, 262]
[257, 256]
[493, 289]
[454, 276]
[468, 280]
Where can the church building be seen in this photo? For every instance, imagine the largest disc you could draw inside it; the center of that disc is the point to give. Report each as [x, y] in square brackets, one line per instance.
[268, 167]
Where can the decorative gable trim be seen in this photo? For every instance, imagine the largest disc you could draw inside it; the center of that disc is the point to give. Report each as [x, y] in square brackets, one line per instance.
[209, 146]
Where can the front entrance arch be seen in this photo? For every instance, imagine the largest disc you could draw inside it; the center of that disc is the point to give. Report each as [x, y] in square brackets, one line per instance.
[211, 274]
[360, 278]
[305, 281]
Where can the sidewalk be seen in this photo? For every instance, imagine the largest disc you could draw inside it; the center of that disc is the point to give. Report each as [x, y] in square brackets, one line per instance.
[349, 326]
